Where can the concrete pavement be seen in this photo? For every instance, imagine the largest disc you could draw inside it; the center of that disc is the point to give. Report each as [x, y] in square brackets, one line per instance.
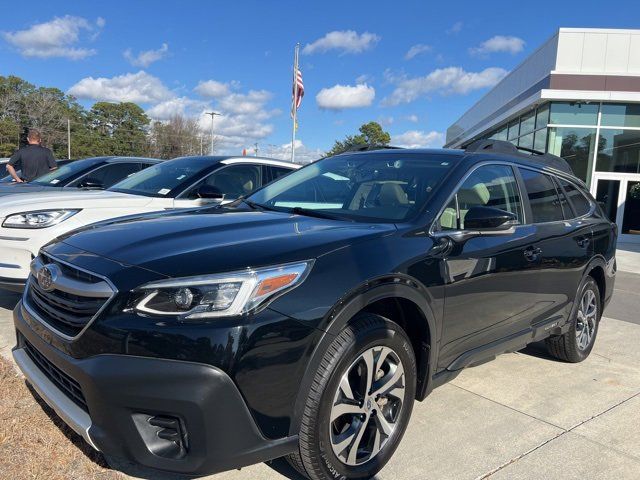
[522, 416]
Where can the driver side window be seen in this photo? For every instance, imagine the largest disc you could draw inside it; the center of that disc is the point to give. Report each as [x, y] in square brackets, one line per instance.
[232, 181]
[489, 186]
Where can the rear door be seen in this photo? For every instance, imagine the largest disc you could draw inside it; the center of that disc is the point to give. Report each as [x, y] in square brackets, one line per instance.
[563, 245]
[490, 285]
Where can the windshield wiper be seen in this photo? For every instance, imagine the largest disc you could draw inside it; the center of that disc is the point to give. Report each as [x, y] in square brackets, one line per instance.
[259, 206]
[315, 213]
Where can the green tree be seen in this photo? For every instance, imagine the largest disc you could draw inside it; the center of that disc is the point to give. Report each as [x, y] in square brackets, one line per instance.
[371, 134]
[121, 128]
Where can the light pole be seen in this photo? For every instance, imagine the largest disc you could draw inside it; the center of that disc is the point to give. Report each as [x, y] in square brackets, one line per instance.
[213, 114]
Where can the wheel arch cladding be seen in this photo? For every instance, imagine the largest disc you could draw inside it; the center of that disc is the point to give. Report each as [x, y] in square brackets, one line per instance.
[597, 273]
[400, 303]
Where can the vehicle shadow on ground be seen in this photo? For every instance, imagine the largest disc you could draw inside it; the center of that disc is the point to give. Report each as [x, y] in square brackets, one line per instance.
[9, 299]
[538, 350]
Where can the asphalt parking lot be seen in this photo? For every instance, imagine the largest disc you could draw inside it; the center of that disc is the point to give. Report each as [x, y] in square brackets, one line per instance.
[522, 416]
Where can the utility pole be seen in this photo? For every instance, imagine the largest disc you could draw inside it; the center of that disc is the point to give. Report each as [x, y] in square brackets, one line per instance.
[68, 139]
[201, 142]
[213, 114]
[255, 149]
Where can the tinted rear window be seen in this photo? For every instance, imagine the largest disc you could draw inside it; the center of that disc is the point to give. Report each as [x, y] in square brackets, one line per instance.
[543, 196]
[580, 203]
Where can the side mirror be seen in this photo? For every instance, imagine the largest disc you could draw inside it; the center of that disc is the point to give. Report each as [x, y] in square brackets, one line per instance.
[209, 192]
[91, 184]
[488, 218]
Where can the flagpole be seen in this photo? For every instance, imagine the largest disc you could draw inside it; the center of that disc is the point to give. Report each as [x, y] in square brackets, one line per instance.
[294, 101]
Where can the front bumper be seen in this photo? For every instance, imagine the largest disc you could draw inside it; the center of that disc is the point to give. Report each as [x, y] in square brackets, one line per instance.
[122, 394]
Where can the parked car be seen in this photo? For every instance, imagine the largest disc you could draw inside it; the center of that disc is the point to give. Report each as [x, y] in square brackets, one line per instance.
[9, 179]
[305, 319]
[96, 173]
[30, 221]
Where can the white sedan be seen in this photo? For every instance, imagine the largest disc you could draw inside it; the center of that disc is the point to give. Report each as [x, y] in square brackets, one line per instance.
[29, 221]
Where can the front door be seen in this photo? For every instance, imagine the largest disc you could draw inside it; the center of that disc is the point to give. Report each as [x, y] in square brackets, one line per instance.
[490, 290]
[619, 197]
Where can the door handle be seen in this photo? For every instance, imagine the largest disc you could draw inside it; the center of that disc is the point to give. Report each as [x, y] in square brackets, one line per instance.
[583, 242]
[532, 253]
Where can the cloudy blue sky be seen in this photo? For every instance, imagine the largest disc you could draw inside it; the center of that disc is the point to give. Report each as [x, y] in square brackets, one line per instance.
[414, 66]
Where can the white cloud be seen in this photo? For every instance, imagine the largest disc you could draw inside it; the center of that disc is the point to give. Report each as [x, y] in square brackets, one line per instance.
[283, 152]
[245, 116]
[56, 38]
[455, 28]
[499, 43]
[175, 106]
[364, 78]
[340, 97]
[417, 50]
[386, 121]
[215, 89]
[131, 87]
[446, 81]
[347, 41]
[418, 139]
[146, 57]
[412, 118]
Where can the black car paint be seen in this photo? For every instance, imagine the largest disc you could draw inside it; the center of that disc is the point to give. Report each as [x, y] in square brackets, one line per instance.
[460, 314]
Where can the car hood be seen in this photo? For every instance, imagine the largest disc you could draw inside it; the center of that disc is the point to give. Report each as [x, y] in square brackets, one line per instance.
[197, 242]
[20, 188]
[69, 199]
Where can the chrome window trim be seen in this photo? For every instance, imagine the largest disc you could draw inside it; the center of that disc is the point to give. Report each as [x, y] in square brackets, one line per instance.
[25, 300]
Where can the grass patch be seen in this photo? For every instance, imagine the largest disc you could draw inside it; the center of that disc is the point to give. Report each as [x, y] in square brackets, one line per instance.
[35, 443]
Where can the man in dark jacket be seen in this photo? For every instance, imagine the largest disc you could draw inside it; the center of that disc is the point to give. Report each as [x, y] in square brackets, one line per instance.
[35, 160]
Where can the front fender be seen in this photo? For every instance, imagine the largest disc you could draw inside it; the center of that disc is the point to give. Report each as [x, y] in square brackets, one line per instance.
[396, 286]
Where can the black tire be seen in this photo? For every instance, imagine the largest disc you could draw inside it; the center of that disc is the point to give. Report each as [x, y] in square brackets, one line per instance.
[567, 347]
[366, 335]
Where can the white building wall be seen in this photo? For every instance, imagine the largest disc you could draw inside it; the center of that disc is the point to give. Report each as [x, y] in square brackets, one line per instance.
[598, 51]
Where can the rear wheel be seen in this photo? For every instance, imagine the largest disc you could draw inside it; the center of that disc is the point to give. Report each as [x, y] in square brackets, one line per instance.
[360, 402]
[576, 344]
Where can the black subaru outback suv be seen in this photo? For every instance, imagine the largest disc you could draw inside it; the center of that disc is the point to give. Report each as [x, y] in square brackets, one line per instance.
[304, 320]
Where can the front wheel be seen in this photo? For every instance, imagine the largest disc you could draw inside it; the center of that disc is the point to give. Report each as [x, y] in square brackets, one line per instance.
[360, 402]
[575, 345]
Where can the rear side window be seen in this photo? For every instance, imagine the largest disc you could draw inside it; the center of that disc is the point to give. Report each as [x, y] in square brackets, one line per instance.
[543, 196]
[581, 204]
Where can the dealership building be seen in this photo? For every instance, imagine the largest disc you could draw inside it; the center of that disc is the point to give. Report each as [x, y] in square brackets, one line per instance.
[577, 96]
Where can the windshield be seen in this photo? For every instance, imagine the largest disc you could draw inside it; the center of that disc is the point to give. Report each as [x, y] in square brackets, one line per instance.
[381, 187]
[166, 179]
[65, 172]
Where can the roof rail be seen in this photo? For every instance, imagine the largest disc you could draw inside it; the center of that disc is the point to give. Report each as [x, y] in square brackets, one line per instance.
[536, 156]
[364, 147]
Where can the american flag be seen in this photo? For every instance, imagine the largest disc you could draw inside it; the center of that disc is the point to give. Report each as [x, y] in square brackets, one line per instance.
[297, 100]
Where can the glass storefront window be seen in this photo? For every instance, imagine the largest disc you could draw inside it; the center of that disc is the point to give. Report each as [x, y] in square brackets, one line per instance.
[540, 140]
[526, 141]
[620, 115]
[576, 146]
[618, 151]
[527, 122]
[513, 129]
[631, 219]
[542, 117]
[574, 113]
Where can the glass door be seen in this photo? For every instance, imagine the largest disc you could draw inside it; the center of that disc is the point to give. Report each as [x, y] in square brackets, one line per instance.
[619, 197]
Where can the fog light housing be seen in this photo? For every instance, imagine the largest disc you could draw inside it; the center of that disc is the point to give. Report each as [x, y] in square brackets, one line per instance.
[164, 435]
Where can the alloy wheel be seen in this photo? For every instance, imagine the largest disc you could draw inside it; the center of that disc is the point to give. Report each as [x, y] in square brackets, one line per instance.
[367, 405]
[587, 319]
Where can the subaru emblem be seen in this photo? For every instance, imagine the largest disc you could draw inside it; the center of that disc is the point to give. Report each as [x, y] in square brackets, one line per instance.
[47, 276]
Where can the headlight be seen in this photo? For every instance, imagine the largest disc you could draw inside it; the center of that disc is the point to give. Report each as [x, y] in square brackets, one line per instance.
[39, 219]
[221, 295]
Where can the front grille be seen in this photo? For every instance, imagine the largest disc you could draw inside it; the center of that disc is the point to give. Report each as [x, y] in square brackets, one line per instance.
[66, 312]
[63, 381]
